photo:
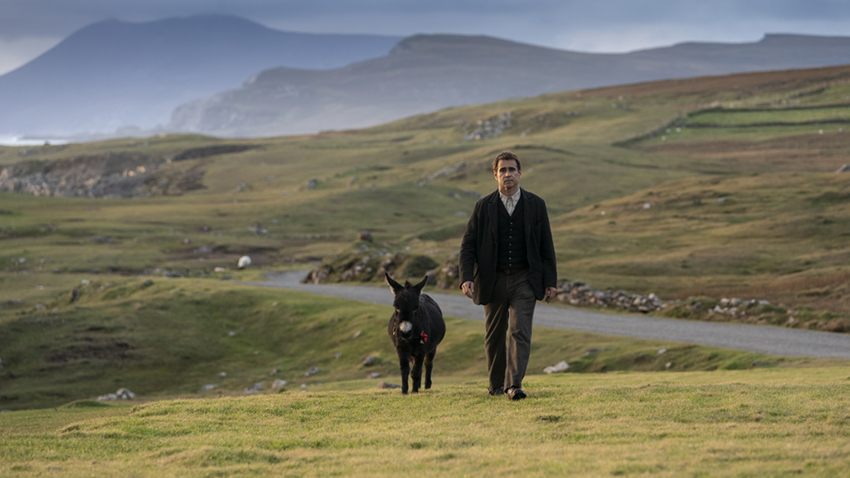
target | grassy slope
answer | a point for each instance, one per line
(731, 423)
(173, 337)
(778, 235)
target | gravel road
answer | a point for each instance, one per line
(764, 339)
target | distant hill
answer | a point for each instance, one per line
(113, 74)
(428, 72)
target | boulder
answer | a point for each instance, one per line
(120, 394)
(558, 367)
(256, 388)
(125, 394)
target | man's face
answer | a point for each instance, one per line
(507, 174)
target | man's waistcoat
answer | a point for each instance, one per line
(511, 253)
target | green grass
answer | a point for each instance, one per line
(769, 225)
(776, 116)
(743, 135)
(171, 338)
(776, 422)
(742, 235)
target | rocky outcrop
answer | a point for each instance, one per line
(578, 293)
(109, 175)
(366, 262)
(121, 394)
(492, 127)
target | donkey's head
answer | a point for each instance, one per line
(406, 303)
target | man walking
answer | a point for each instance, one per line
(507, 262)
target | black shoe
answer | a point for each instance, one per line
(516, 394)
(496, 391)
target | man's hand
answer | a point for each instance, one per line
(468, 288)
(549, 294)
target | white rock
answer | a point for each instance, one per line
(244, 262)
(209, 386)
(279, 383)
(661, 351)
(122, 393)
(125, 393)
(558, 367)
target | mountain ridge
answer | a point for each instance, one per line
(425, 73)
(113, 74)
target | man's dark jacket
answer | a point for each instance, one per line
(479, 248)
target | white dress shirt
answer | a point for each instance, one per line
(510, 201)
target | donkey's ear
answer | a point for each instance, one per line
(394, 286)
(421, 284)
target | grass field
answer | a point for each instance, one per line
(726, 423)
(753, 212)
(777, 116)
(638, 201)
(171, 338)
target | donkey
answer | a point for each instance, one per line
(416, 328)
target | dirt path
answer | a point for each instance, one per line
(764, 339)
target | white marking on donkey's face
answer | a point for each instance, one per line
(406, 326)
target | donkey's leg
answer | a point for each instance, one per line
(404, 364)
(429, 364)
(417, 372)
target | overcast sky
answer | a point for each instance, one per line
(30, 27)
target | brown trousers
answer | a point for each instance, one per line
(510, 311)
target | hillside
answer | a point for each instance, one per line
(115, 74)
(738, 173)
(424, 73)
(724, 424)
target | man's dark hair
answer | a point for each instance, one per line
(506, 155)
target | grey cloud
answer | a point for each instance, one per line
(534, 21)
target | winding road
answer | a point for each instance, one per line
(754, 338)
